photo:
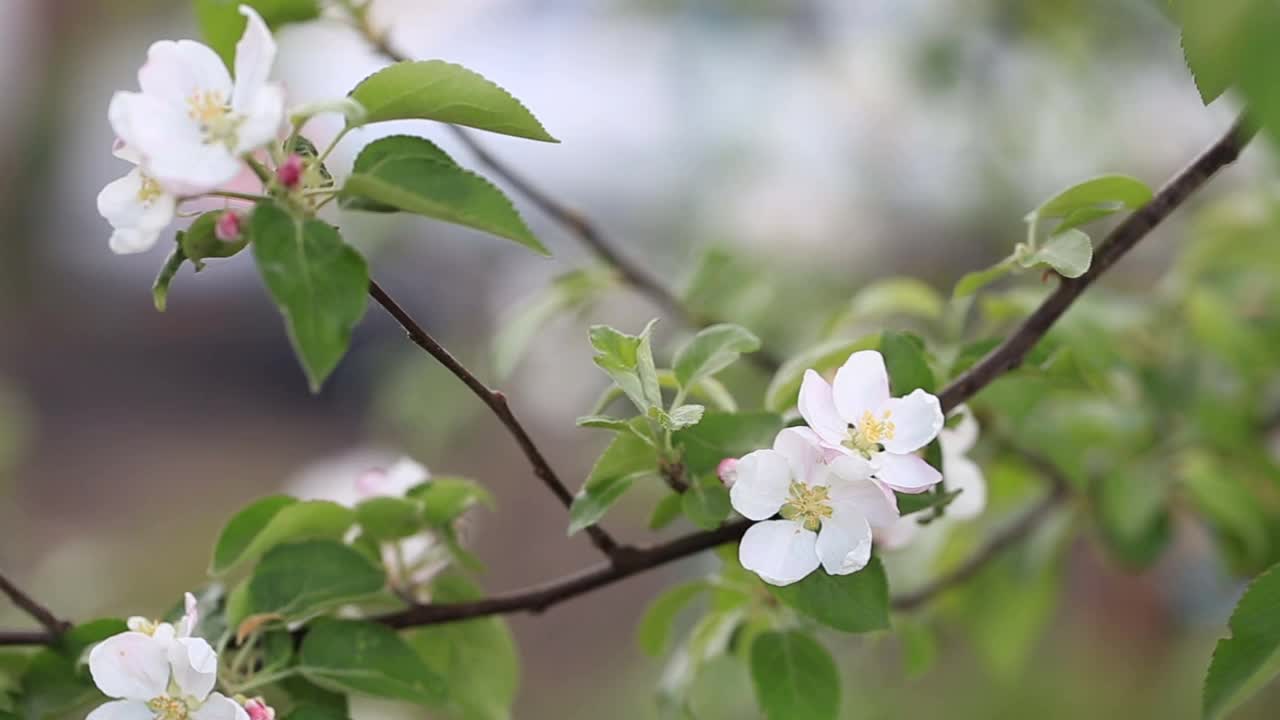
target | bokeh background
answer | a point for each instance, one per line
(829, 141)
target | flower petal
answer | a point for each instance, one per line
(764, 479)
(131, 665)
(899, 535)
(177, 71)
(121, 710)
(255, 54)
(863, 498)
(779, 551)
(219, 707)
(171, 145)
(862, 385)
(851, 467)
(195, 666)
(404, 475)
(191, 616)
(906, 473)
(916, 418)
(961, 438)
(818, 409)
(800, 447)
(844, 543)
(263, 117)
(964, 475)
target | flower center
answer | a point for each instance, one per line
(169, 708)
(866, 437)
(149, 191)
(210, 110)
(807, 505)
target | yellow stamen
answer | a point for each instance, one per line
(870, 432)
(808, 505)
(207, 107)
(168, 708)
(149, 191)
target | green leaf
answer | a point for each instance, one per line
(200, 241)
(440, 190)
(477, 659)
(655, 627)
(713, 349)
(722, 435)
(706, 502)
(273, 520)
(395, 147)
(368, 658)
(1106, 192)
(54, 685)
(1132, 512)
(905, 359)
(784, 388)
(972, 282)
(627, 458)
(568, 292)
(890, 297)
(666, 511)
(794, 677)
(604, 422)
(221, 23)
(296, 580)
(628, 360)
(160, 287)
(318, 281)
(444, 498)
(1250, 657)
(314, 711)
(389, 518)
(441, 91)
(855, 603)
(681, 417)
(1068, 252)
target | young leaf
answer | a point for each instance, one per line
(628, 360)
(164, 278)
(666, 511)
(972, 282)
(437, 90)
(854, 603)
(794, 677)
(273, 520)
(443, 191)
(297, 580)
(221, 23)
(1250, 657)
(444, 498)
(604, 422)
(681, 417)
(627, 458)
(1108, 192)
(389, 518)
(318, 281)
(655, 626)
(1068, 252)
(712, 350)
(723, 435)
(365, 657)
(706, 502)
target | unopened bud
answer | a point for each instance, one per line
(258, 709)
(227, 229)
(290, 172)
(727, 471)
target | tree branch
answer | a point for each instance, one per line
(25, 637)
(27, 604)
(497, 402)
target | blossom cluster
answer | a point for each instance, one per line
(832, 481)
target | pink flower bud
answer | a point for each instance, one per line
(258, 709)
(290, 172)
(727, 471)
(227, 229)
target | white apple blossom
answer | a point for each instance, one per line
(156, 671)
(137, 207)
(191, 123)
(828, 509)
(856, 417)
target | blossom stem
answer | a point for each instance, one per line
(333, 144)
(233, 195)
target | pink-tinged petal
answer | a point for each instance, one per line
(861, 385)
(800, 446)
(263, 117)
(899, 535)
(906, 473)
(964, 475)
(779, 551)
(916, 419)
(863, 498)
(195, 666)
(131, 666)
(255, 54)
(176, 71)
(190, 617)
(122, 710)
(119, 116)
(121, 149)
(819, 410)
(844, 543)
(172, 146)
(762, 484)
(246, 182)
(960, 439)
(219, 707)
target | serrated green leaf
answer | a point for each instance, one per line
(318, 281)
(297, 580)
(442, 191)
(854, 603)
(794, 677)
(1069, 253)
(724, 435)
(1250, 657)
(444, 498)
(654, 631)
(367, 658)
(626, 459)
(221, 23)
(713, 349)
(628, 361)
(273, 520)
(681, 417)
(441, 91)
(389, 518)
(1102, 192)
(784, 388)
(373, 155)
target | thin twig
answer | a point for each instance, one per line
(27, 604)
(25, 637)
(497, 402)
